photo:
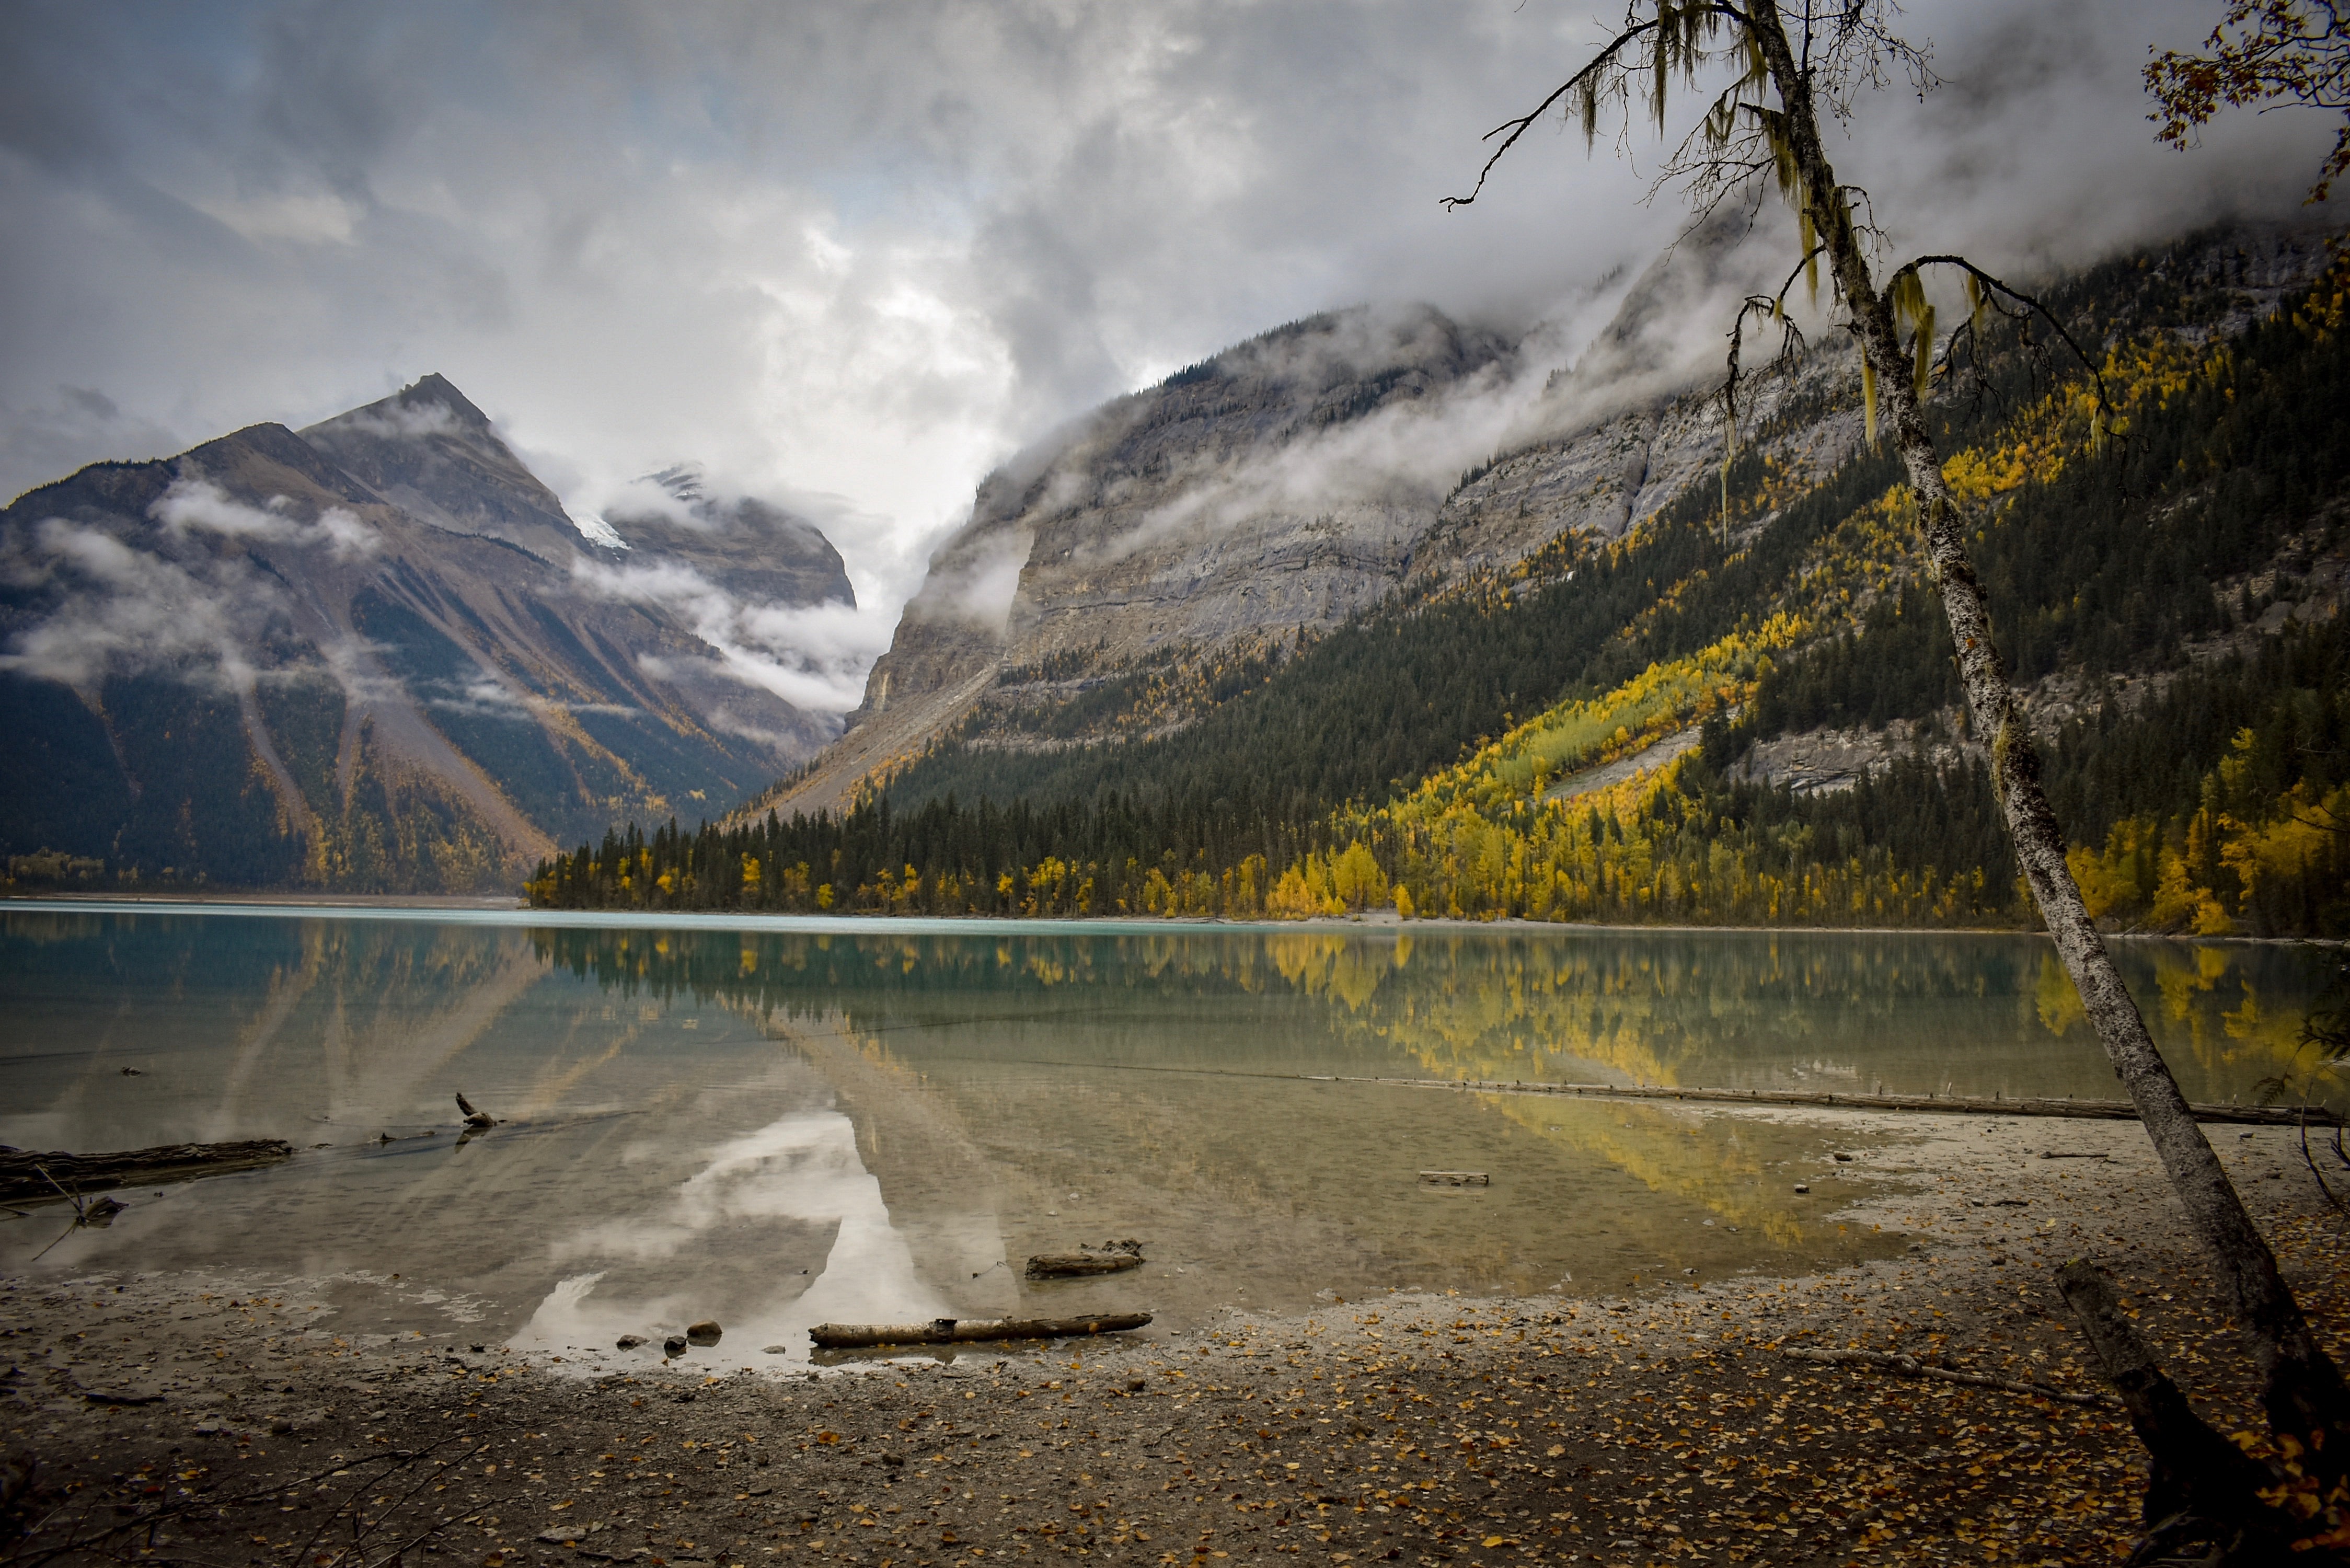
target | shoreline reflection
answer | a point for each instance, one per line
(774, 1128)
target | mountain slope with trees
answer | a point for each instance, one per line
(2164, 598)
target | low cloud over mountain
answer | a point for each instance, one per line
(379, 653)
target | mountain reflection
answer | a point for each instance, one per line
(769, 1127)
(1910, 1012)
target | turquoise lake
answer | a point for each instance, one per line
(784, 1122)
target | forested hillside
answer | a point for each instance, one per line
(1600, 732)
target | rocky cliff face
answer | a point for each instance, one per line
(1276, 489)
(1286, 483)
(1281, 485)
(375, 654)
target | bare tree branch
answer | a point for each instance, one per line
(1526, 122)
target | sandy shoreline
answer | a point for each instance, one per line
(223, 1420)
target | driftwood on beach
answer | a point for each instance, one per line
(970, 1331)
(26, 1176)
(1074, 1265)
(1970, 1104)
(1110, 1259)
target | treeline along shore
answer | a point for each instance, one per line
(2201, 813)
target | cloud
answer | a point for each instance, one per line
(108, 609)
(868, 250)
(404, 421)
(813, 657)
(199, 504)
(91, 605)
(648, 496)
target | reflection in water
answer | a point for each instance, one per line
(801, 1169)
(1916, 1012)
(1716, 1160)
(776, 1126)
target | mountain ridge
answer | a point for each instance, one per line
(374, 654)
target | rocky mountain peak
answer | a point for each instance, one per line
(432, 390)
(751, 547)
(428, 450)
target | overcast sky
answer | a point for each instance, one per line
(852, 255)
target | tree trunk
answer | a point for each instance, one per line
(2194, 1467)
(2304, 1392)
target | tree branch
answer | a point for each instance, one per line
(1995, 287)
(1524, 122)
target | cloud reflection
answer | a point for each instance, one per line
(803, 1169)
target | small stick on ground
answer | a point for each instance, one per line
(1113, 1258)
(1910, 1366)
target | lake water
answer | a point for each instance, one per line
(788, 1122)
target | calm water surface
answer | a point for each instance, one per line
(796, 1122)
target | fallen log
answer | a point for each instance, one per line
(29, 1177)
(1910, 1366)
(1964, 1105)
(971, 1330)
(1074, 1265)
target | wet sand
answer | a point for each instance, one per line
(223, 1421)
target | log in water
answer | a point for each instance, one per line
(970, 1331)
(27, 1177)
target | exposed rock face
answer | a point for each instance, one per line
(749, 547)
(376, 654)
(1281, 485)
(1241, 495)
(1828, 762)
(1289, 482)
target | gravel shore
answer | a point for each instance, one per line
(223, 1421)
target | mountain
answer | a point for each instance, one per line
(763, 554)
(1131, 572)
(1621, 670)
(1239, 502)
(376, 654)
